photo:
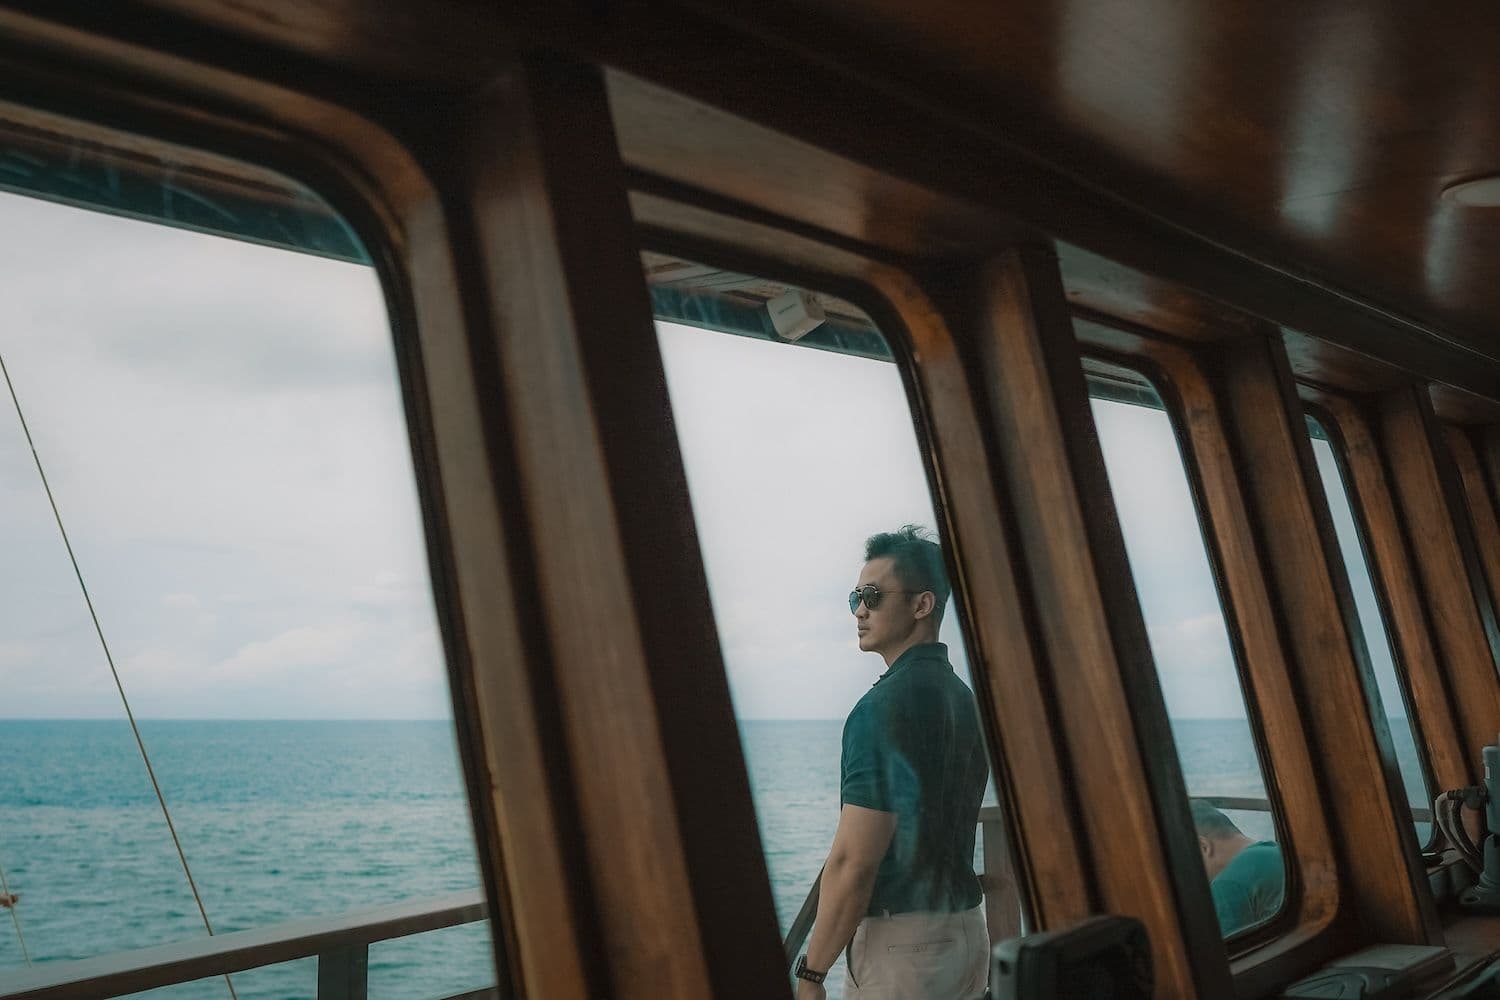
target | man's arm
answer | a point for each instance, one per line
(848, 880)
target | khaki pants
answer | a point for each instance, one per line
(920, 956)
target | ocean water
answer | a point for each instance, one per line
(282, 820)
(279, 820)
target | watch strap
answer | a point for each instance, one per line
(803, 972)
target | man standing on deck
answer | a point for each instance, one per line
(899, 887)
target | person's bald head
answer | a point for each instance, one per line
(1219, 840)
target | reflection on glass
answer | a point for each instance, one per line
(845, 658)
(1372, 623)
(1190, 644)
(223, 431)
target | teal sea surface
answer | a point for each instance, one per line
(279, 820)
(285, 820)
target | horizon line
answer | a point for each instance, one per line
(449, 718)
(220, 718)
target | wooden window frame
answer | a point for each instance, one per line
(1046, 740)
(375, 183)
(572, 895)
(586, 894)
(1191, 413)
(1206, 383)
(1476, 480)
(1429, 499)
(1014, 702)
(1383, 538)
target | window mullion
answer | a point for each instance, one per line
(1383, 884)
(1132, 797)
(627, 630)
(1429, 496)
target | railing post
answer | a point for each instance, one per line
(1002, 894)
(343, 973)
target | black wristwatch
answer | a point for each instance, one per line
(803, 972)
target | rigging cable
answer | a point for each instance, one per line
(109, 658)
(14, 917)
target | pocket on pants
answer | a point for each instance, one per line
(940, 946)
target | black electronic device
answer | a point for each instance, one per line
(1484, 895)
(1104, 958)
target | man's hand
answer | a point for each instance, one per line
(809, 990)
(8, 901)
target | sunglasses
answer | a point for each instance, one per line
(872, 595)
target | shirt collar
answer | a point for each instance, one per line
(921, 651)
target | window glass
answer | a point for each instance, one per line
(1393, 696)
(1190, 643)
(796, 456)
(222, 430)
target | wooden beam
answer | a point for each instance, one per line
(1110, 713)
(624, 624)
(1478, 498)
(1393, 571)
(1430, 495)
(1383, 890)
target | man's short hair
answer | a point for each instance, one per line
(1212, 823)
(918, 562)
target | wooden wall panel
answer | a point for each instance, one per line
(1478, 501)
(1110, 711)
(1430, 495)
(1382, 879)
(1393, 570)
(625, 627)
(520, 790)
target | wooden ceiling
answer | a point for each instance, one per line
(1320, 133)
(1310, 139)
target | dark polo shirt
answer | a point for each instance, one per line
(912, 746)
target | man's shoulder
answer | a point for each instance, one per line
(871, 704)
(1264, 854)
(1257, 863)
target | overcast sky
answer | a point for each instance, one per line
(222, 427)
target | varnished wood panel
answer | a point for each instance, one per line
(1400, 590)
(1320, 134)
(931, 155)
(1455, 406)
(526, 829)
(1302, 942)
(673, 856)
(512, 749)
(1381, 876)
(1109, 704)
(1430, 497)
(1479, 504)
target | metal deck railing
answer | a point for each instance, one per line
(340, 943)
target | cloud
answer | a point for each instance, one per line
(295, 650)
(223, 430)
(14, 651)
